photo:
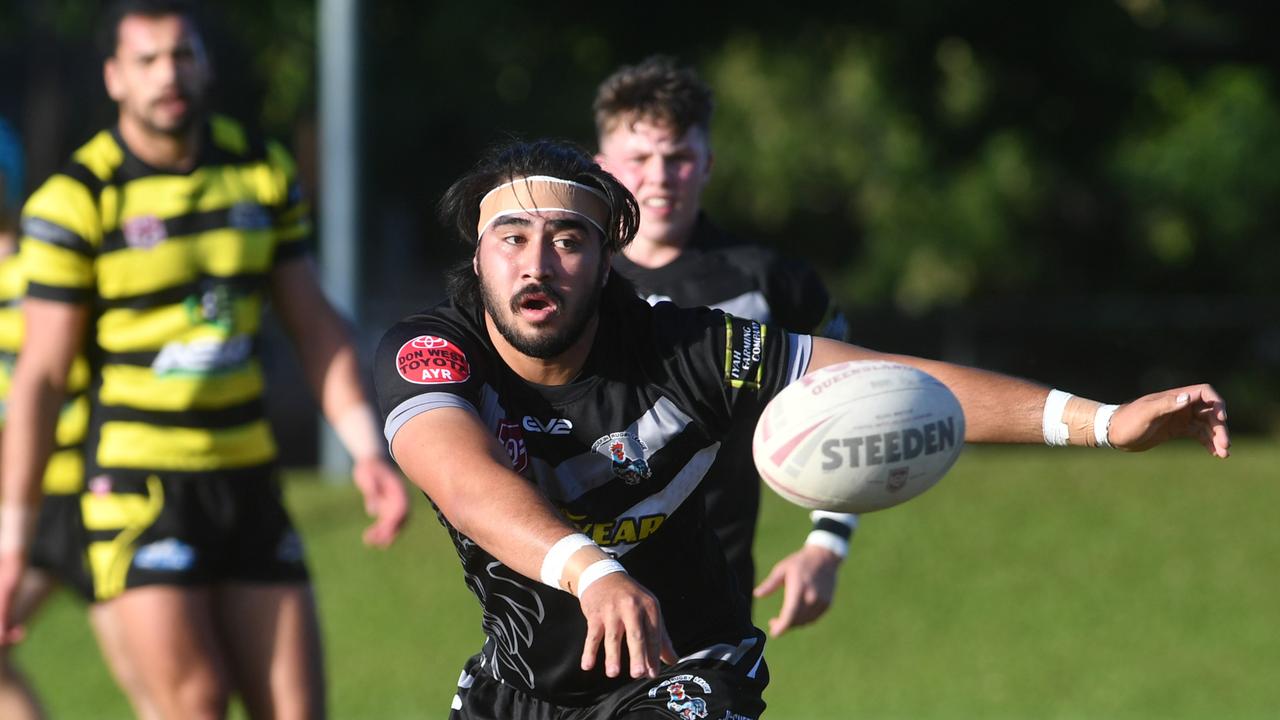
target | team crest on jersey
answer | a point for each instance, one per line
(680, 699)
(626, 452)
(431, 360)
(512, 438)
(144, 232)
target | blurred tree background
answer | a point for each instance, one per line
(1081, 191)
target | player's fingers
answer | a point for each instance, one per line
(591, 648)
(787, 614)
(612, 649)
(642, 652)
(668, 654)
(771, 583)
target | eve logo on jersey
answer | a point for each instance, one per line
(202, 356)
(554, 426)
(431, 360)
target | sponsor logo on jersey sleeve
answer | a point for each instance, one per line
(743, 352)
(512, 438)
(626, 454)
(432, 360)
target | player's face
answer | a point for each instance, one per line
(666, 173)
(541, 274)
(158, 74)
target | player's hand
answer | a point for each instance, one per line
(385, 500)
(12, 567)
(1195, 411)
(808, 579)
(618, 609)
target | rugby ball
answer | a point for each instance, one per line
(858, 436)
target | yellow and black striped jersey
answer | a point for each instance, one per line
(175, 268)
(64, 473)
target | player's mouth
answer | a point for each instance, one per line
(659, 205)
(537, 304)
(173, 104)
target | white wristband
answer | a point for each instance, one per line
(828, 540)
(559, 554)
(597, 570)
(1102, 424)
(358, 431)
(15, 526)
(1055, 431)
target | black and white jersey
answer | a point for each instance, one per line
(622, 451)
(746, 281)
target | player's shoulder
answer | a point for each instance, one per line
(444, 321)
(84, 175)
(236, 141)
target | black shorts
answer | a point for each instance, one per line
(689, 690)
(184, 531)
(58, 545)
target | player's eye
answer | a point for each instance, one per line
(566, 242)
(512, 239)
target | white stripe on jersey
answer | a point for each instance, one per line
(725, 652)
(583, 473)
(750, 305)
(672, 496)
(799, 352)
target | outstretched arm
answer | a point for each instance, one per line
(450, 455)
(333, 372)
(1004, 409)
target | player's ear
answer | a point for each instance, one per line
(602, 162)
(475, 260)
(111, 78)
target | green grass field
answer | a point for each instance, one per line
(1031, 583)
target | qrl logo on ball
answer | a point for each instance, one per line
(432, 360)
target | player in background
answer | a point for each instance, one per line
(653, 125)
(562, 427)
(154, 251)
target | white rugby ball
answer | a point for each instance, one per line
(858, 436)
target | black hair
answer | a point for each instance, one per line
(460, 206)
(116, 12)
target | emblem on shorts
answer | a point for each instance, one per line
(626, 453)
(144, 232)
(431, 360)
(168, 555)
(679, 701)
(512, 438)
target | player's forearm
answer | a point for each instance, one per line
(34, 401)
(468, 476)
(997, 408)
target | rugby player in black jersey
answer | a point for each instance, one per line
(155, 249)
(562, 427)
(653, 124)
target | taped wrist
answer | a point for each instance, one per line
(1071, 420)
